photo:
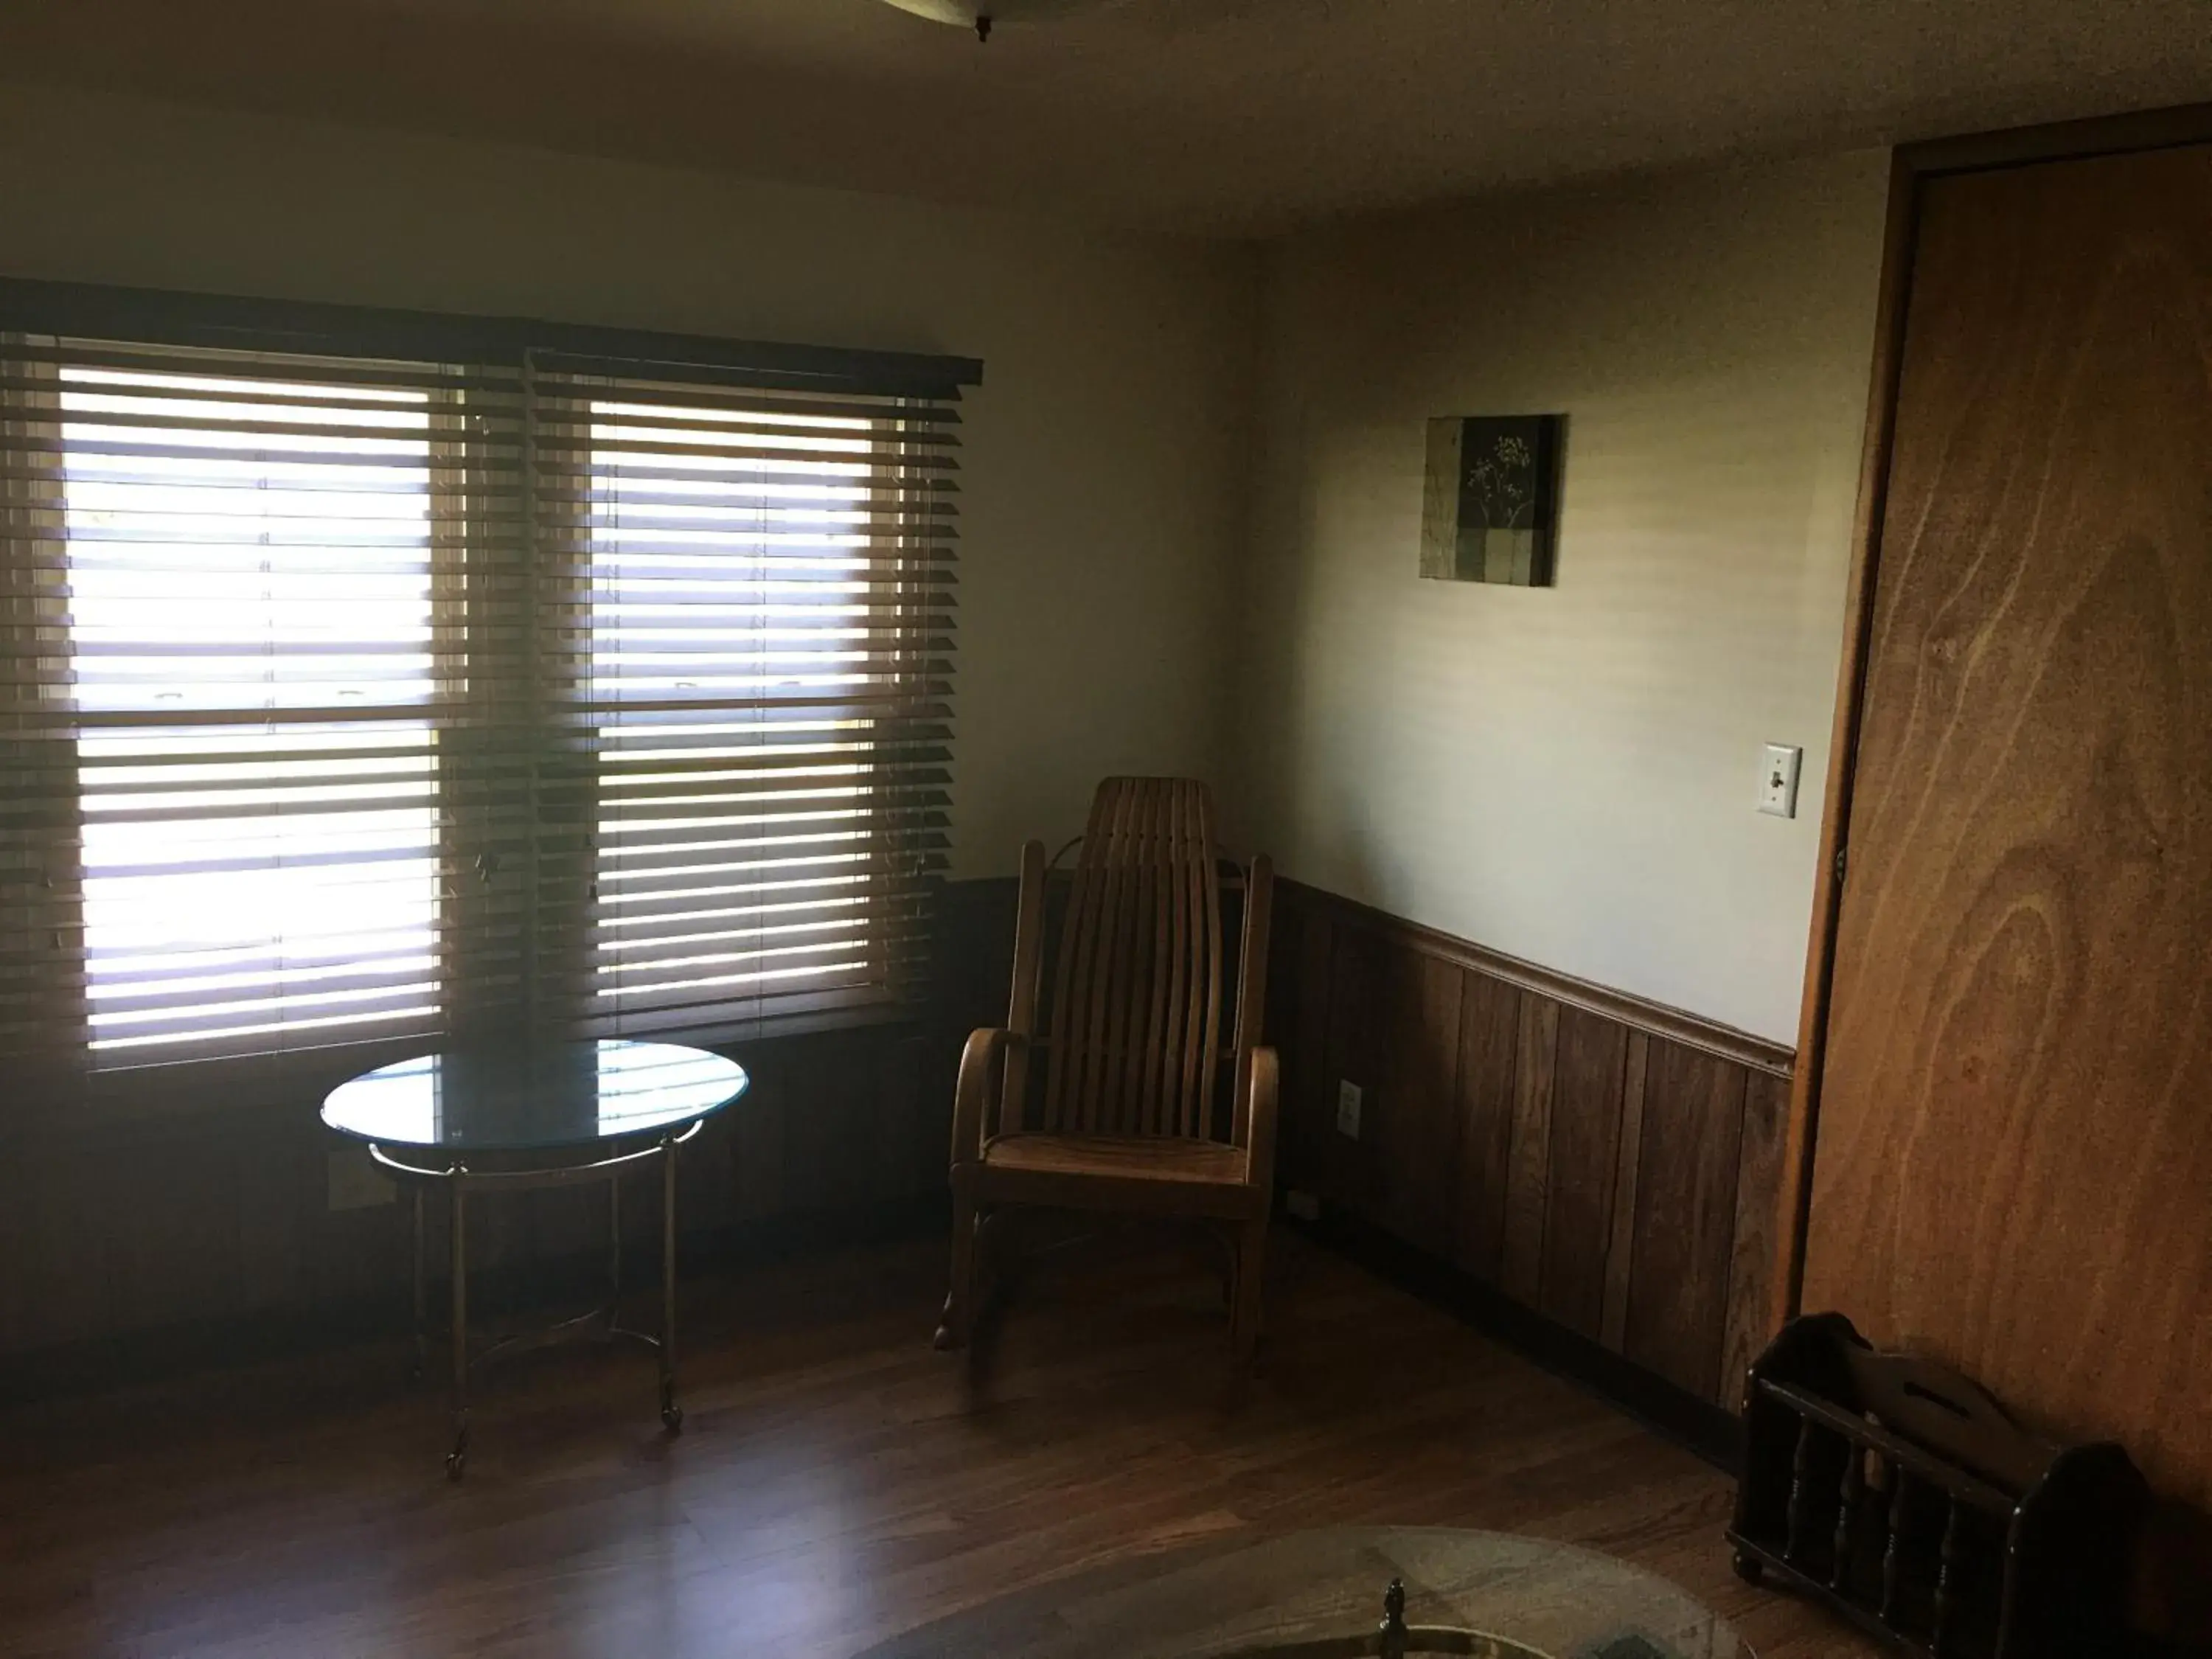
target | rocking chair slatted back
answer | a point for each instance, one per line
(1135, 1038)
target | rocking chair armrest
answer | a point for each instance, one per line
(1264, 1087)
(973, 1119)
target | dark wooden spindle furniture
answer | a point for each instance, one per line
(1896, 1491)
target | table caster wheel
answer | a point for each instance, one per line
(1749, 1567)
(671, 1419)
(457, 1464)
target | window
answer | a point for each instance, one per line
(738, 646)
(249, 624)
(354, 693)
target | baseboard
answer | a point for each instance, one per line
(1698, 1425)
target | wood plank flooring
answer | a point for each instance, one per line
(837, 1483)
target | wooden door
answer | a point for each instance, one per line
(2014, 1166)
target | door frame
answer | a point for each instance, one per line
(1912, 168)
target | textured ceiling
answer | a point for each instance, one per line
(1220, 116)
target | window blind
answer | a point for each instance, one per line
(357, 697)
(768, 657)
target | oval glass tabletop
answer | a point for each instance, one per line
(518, 1097)
(1321, 1595)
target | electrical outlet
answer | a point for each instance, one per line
(1303, 1206)
(1347, 1108)
(1777, 780)
(355, 1182)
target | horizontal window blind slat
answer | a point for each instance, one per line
(336, 395)
(927, 700)
(655, 747)
(821, 850)
(247, 368)
(555, 388)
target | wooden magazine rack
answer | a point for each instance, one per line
(1897, 1492)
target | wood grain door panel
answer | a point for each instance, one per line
(2015, 1157)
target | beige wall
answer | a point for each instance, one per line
(1568, 774)
(1105, 452)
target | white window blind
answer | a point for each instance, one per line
(759, 648)
(249, 652)
(355, 697)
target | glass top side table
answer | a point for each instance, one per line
(514, 1116)
(1337, 1592)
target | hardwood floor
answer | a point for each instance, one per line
(837, 1481)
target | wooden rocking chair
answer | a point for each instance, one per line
(1116, 1105)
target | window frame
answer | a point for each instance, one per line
(476, 873)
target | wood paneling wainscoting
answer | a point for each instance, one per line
(1607, 1163)
(130, 1250)
(146, 1246)
(143, 1247)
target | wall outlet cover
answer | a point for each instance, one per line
(1303, 1206)
(1347, 1108)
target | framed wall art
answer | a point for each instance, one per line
(1493, 504)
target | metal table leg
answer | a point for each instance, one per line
(605, 1322)
(422, 1292)
(614, 1251)
(671, 1414)
(457, 1459)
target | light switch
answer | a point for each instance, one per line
(1347, 1108)
(1777, 780)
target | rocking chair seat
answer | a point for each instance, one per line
(1135, 1175)
(1138, 1175)
(1132, 1157)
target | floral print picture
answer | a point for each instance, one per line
(1492, 511)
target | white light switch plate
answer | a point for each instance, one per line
(1347, 1108)
(1777, 780)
